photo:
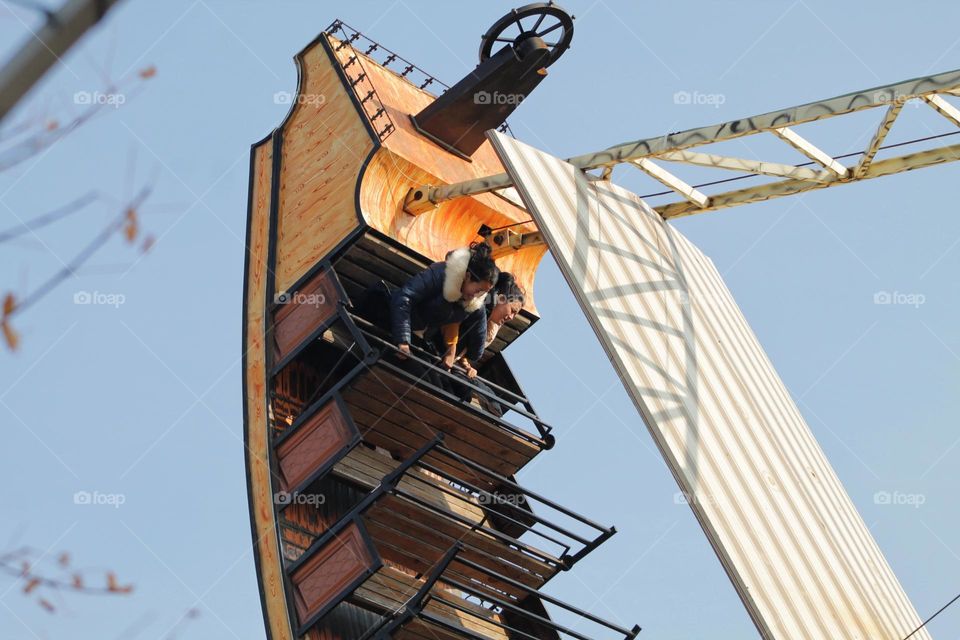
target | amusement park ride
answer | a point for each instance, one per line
(382, 505)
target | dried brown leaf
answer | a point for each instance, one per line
(131, 227)
(11, 337)
(9, 304)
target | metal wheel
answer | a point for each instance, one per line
(544, 20)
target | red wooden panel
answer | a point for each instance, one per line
(302, 311)
(314, 443)
(325, 577)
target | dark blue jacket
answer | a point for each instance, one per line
(420, 305)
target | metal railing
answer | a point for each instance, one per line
(481, 585)
(389, 60)
(501, 612)
(510, 503)
(493, 393)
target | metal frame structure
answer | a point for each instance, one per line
(391, 485)
(822, 171)
(350, 37)
(788, 535)
(287, 349)
(365, 339)
(373, 346)
(415, 608)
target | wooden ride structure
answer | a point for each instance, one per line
(383, 506)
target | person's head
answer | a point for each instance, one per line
(482, 272)
(507, 299)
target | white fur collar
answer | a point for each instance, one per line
(455, 272)
(475, 304)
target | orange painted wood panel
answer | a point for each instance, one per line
(266, 545)
(330, 570)
(408, 159)
(302, 311)
(325, 144)
(315, 442)
(454, 224)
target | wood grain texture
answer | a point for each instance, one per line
(408, 159)
(314, 444)
(266, 545)
(329, 571)
(302, 312)
(389, 589)
(325, 144)
(453, 224)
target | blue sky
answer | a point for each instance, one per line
(141, 399)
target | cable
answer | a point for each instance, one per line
(957, 597)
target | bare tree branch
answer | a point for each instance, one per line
(127, 222)
(14, 151)
(46, 46)
(50, 217)
(20, 564)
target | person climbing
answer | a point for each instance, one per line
(502, 304)
(451, 291)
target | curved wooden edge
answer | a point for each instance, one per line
(327, 142)
(405, 159)
(266, 552)
(384, 185)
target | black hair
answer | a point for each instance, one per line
(482, 268)
(506, 290)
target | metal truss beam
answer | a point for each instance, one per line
(675, 147)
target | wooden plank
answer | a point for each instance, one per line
(425, 423)
(399, 441)
(375, 254)
(367, 468)
(487, 444)
(411, 550)
(389, 589)
(400, 514)
(363, 278)
(478, 430)
(403, 261)
(325, 144)
(256, 426)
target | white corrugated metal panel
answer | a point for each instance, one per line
(782, 524)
